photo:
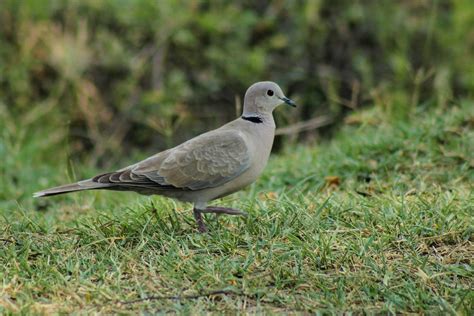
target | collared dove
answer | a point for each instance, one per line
(207, 167)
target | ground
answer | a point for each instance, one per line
(379, 219)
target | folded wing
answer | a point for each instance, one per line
(206, 161)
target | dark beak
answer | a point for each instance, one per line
(288, 101)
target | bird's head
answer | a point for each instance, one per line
(263, 97)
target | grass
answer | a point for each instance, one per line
(378, 220)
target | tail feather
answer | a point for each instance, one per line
(73, 187)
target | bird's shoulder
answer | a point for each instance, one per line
(225, 137)
(221, 151)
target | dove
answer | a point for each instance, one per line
(207, 167)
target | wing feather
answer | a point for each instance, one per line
(206, 161)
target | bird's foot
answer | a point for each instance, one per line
(216, 210)
(223, 210)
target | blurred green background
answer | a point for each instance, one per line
(372, 212)
(103, 82)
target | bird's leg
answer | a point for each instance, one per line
(198, 216)
(223, 210)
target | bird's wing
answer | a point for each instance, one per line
(126, 177)
(206, 161)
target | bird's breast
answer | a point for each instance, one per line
(260, 143)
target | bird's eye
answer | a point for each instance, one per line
(270, 93)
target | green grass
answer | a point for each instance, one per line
(378, 220)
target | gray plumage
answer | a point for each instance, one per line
(209, 166)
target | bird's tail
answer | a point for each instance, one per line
(73, 187)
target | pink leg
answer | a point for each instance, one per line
(198, 216)
(223, 210)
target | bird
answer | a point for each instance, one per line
(207, 167)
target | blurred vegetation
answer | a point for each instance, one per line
(377, 220)
(102, 77)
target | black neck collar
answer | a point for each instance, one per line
(253, 119)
